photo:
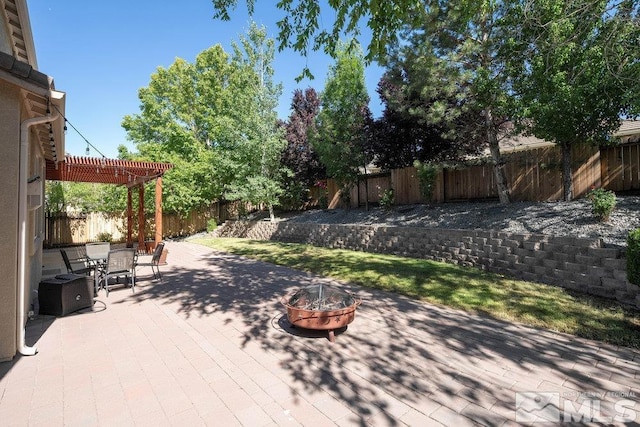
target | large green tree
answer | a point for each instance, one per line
(453, 70)
(341, 129)
(576, 66)
(189, 116)
(215, 120)
(258, 171)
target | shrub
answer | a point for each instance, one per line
(104, 237)
(633, 256)
(387, 199)
(212, 224)
(323, 201)
(345, 196)
(603, 202)
(427, 174)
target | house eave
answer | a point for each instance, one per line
(17, 17)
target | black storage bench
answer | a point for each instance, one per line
(65, 294)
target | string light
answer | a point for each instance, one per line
(130, 175)
(78, 132)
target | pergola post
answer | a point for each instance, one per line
(158, 194)
(141, 245)
(129, 219)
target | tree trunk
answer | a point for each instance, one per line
(366, 190)
(498, 165)
(567, 173)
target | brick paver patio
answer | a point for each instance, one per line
(211, 345)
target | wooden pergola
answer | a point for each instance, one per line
(132, 174)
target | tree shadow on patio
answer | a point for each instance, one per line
(399, 357)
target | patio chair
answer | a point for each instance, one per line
(82, 270)
(120, 264)
(154, 262)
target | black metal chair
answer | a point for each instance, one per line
(120, 264)
(154, 262)
(82, 270)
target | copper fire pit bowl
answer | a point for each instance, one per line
(321, 307)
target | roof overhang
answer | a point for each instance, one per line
(40, 99)
(16, 15)
(105, 171)
(37, 89)
(629, 131)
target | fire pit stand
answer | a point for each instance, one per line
(321, 307)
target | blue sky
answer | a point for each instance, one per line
(101, 52)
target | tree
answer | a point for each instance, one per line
(460, 42)
(403, 135)
(257, 154)
(191, 115)
(576, 71)
(454, 66)
(299, 156)
(54, 200)
(84, 197)
(343, 119)
(302, 28)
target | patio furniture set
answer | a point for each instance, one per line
(77, 288)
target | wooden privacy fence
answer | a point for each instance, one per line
(621, 167)
(534, 175)
(70, 229)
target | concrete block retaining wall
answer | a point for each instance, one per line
(578, 264)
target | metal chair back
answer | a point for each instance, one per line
(99, 250)
(120, 260)
(157, 253)
(120, 263)
(70, 269)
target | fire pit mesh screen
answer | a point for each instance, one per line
(321, 298)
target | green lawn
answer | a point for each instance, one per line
(469, 289)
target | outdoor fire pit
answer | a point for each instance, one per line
(321, 307)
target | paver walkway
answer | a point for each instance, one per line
(211, 345)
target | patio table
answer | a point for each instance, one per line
(97, 254)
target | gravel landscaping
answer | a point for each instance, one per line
(554, 218)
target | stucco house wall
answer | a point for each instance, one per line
(9, 155)
(25, 94)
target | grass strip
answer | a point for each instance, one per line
(465, 288)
